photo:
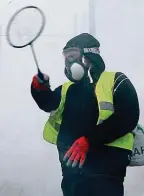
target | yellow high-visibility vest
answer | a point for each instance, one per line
(104, 94)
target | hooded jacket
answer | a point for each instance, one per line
(81, 114)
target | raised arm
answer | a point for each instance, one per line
(46, 99)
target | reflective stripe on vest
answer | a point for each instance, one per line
(106, 106)
(104, 94)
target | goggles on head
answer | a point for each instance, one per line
(75, 54)
(72, 54)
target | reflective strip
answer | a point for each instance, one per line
(57, 127)
(118, 78)
(53, 112)
(100, 122)
(106, 106)
(119, 85)
(94, 50)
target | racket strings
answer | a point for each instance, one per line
(25, 26)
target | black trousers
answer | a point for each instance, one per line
(102, 174)
(98, 186)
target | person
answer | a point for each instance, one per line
(92, 117)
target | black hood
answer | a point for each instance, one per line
(82, 41)
(86, 40)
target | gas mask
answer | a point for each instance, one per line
(76, 66)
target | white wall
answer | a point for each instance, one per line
(24, 156)
(120, 30)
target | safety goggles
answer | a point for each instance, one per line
(72, 54)
(75, 54)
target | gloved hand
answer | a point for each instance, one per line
(77, 153)
(41, 82)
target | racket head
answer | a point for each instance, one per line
(13, 19)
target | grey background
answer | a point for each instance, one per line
(28, 165)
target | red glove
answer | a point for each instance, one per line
(39, 84)
(77, 153)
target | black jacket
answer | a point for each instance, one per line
(81, 111)
(79, 119)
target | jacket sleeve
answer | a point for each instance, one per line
(125, 117)
(47, 100)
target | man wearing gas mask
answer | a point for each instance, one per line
(92, 117)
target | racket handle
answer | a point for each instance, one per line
(40, 75)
